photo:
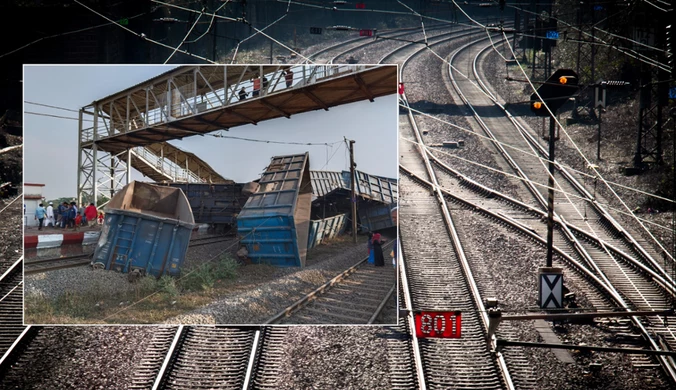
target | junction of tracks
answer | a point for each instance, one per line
(473, 234)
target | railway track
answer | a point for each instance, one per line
(197, 358)
(56, 263)
(439, 276)
(262, 353)
(631, 283)
(355, 296)
(11, 315)
(51, 264)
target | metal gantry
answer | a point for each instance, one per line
(131, 128)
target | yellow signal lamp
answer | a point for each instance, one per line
(537, 105)
(563, 79)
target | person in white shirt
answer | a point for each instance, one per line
(50, 216)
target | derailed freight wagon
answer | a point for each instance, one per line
(327, 228)
(217, 205)
(274, 222)
(146, 231)
(376, 196)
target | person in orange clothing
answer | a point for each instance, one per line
(256, 86)
(90, 214)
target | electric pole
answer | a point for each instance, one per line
(353, 196)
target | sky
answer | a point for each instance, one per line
(51, 143)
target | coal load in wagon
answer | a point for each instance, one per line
(274, 222)
(146, 231)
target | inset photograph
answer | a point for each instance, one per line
(238, 194)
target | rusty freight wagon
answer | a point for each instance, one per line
(146, 231)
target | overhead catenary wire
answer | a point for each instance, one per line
(144, 37)
(525, 180)
(258, 31)
(64, 34)
(50, 106)
(210, 23)
(628, 52)
(589, 164)
(186, 36)
(528, 153)
(55, 116)
(666, 253)
(371, 10)
(577, 148)
(276, 142)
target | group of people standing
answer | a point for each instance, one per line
(256, 81)
(67, 215)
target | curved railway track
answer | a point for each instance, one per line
(630, 283)
(433, 276)
(438, 276)
(355, 296)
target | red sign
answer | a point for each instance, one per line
(361, 5)
(365, 33)
(401, 88)
(443, 324)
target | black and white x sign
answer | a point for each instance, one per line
(551, 291)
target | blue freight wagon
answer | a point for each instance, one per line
(146, 231)
(322, 229)
(375, 216)
(274, 222)
(217, 205)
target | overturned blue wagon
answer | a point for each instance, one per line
(274, 222)
(146, 231)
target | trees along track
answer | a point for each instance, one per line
(626, 272)
(355, 296)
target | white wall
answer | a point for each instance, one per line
(29, 217)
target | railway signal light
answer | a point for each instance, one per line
(365, 33)
(361, 6)
(560, 86)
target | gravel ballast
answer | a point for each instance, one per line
(80, 358)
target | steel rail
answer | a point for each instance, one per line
(408, 305)
(11, 354)
(435, 28)
(603, 213)
(173, 349)
(297, 305)
(406, 31)
(455, 238)
(251, 366)
(516, 204)
(666, 363)
(500, 360)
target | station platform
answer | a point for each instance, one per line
(50, 237)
